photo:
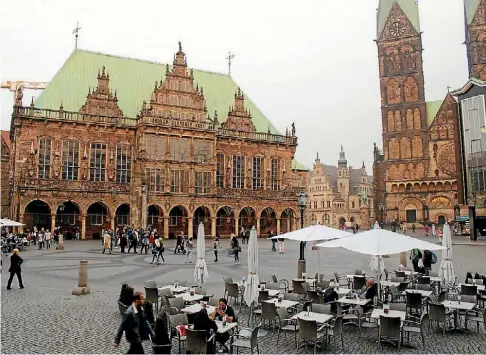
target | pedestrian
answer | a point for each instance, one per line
(155, 251)
(189, 247)
(132, 242)
(179, 243)
(123, 243)
(404, 228)
(281, 246)
(273, 241)
(415, 256)
(242, 234)
(426, 230)
(413, 228)
(235, 245)
(160, 249)
(145, 241)
(40, 238)
(215, 247)
(106, 242)
(427, 261)
(48, 237)
(15, 262)
(433, 230)
(135, 325)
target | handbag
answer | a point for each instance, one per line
(239, 248)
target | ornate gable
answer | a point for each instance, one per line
(176, 97)
(101, 101)
(442, 127)
(397, 25)
(239, 119)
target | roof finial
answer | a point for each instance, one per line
(448, 88)
(61, 107)
(89, 90)
(103, 71)
(180, 46)
(156, 84)
(342, 150)
(239, 91)
(167, 68)
(317, 158)
(115, 94)
(363, 166)
(216, 117)
(32, 102)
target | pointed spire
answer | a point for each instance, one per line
(192, 73)
(216, 117)
(115, 95)
(268, 130)
(317, 157)
(408, 7)
(202, 90)
(167, 68)
(363, 166)
(89, 90)
(32, 102)
(197, 88)
(103, 70)
(180, 46)
(61, 107)
(155, 86)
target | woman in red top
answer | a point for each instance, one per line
(151, 238)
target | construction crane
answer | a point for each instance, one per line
(13, 86)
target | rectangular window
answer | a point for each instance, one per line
(275, 174)
(257, 173)
(220, 170)
(44, 158)
(70, 160)
(123, 164)
(95, 219)
(238, 171)
(202, 151)
(155, 146)
(328, 204)
(202, 182)
(179, 181)
(352, 204)
(155, 179)
(97, 165)
(179, 149)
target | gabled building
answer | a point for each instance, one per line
(415, 173)
(5, 188)
(339, 195)
(114, 142)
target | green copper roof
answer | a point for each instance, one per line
(133, 80)
(470, 8)
(409, 8)
(432, 108)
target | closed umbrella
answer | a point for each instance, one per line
(446, 270)
(253, 281)
(201, 274)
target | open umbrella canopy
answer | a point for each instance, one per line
(446, 270)
(201, 274)
(5, 222)
(380, 242)
(252, 282)
(314, 233)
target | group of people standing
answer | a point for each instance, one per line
(422, 263)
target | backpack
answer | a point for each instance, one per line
(434, 258)
(416, 255)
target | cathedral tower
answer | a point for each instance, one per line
(475, 21)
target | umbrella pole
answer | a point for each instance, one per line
(379, 279)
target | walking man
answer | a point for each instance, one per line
(48, 239)
(135, 325)
(15, 262)
(216, 246)
(273, 241)
(106, 242)
(189, 246)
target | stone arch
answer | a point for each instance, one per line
(97, 219)
(398, 120)
(268, 221)
(401, 188)
(447, 186)
(391, 60)
(441, 219)
(416, 119)
(405, 150)
(407, 58)
(416, 187)
(440, 202)
(37, 213)
(410, 210)
(439, 186)
(394, 149)
(247, 217)
(454, 186)
(68, 217)
(342, 222)
(225, 221)
(409, 119)
(122, 215)
(178, 218)
(390, 121)
(202, 214)
(431, 186)
(287, 220)
(417, 150)
(424, 187)
(408, 187)
(394, 188)
(393, 92)
(155, 217)
(411, 89)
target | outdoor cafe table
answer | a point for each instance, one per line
(422, 292)
(178, 289)
(480, 287)
(190, 298)
(389, 283)
(283, 303)
(351, 277)
(195, 308)
(226, 328)
(272, 293)
(353, 301)
(456, 307)
(377, 312)
(310, 281)
(342, 291)
(320, 318)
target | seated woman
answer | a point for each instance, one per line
(203, 322)
(369, 293)
(330, 295)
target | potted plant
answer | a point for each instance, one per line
(161, 344)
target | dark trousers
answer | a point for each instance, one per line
(273, 245)
(415, 265)
(134, 246)
(215, 255)
(122, 249)
(142, 248)
(135, 348)
(19, 277)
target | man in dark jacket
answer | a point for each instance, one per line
(15, 262)
(135, 325)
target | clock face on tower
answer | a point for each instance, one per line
(397, 29)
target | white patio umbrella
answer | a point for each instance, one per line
(446, 270)
(5, 222)
(380, 242)
(201, 274)
(377, 265)
(253, 280)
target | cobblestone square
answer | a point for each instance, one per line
(45, 318)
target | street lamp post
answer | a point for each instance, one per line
(381, 207)
(302, 201)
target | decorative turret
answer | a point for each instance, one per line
(342, 162)
(239, 119)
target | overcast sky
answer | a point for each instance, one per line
(312, 62)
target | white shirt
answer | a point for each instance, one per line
(48, 235)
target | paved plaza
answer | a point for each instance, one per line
(45, 318)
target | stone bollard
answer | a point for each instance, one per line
(82, 288)
(61, 243)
